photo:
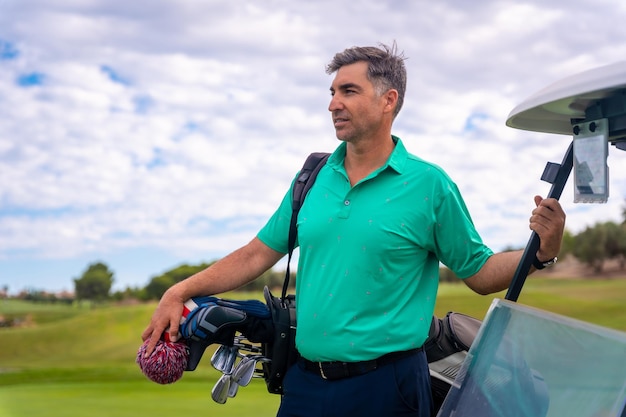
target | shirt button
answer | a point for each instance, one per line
(347, 202)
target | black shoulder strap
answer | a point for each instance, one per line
(301, 187)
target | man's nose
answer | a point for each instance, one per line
(334, 104)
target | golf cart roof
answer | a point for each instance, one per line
(552, 109)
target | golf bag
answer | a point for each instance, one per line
(446, 347)
(212, 320)
(281, 350)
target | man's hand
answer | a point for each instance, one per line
(548, 221)
(165, 318)
(233, 271)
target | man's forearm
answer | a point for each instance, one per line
(231, 272)
(496, 274)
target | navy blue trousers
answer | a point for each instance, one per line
(401, 388)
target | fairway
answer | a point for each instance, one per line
(80, 361)
(132, 399)
(597, 301)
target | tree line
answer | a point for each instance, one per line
(96, 282)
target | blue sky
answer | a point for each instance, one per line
(148, 134)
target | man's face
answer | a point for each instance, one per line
(356, 109)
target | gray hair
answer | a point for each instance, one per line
(385, 68)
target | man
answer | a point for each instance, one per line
(371, 232)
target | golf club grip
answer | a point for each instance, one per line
(558, 184)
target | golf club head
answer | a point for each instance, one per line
(220, 390)
(218, 360)
(243, 373)
(230, 358)
(232, 390)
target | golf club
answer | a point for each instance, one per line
(235, 374)
(245, 371)
(230, 359)
(242, 375)
(220, 391)
(232, 390)
(218, 359)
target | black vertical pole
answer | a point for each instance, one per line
(557, 177)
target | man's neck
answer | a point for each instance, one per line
(366, 156)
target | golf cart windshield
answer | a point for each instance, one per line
(531, 363)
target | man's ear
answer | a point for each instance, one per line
(391, 100)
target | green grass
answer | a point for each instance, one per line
(80, 361)
(599, 302)
(38, 312)
(132, 398)
(83, 364)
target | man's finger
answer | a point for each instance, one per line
(152, 334)
(146, 333)
(154, 338)
(173, 330)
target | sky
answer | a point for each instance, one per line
(150, 133)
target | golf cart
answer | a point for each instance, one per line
(528, 362)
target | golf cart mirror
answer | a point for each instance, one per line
(591, 173)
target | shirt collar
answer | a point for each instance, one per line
(396, 160)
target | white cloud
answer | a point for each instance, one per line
(179, 125)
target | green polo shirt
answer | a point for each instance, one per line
(368, 268)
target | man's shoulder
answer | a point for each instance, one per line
(417, 164)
